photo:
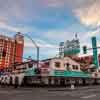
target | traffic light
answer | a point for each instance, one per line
(84, 49)
(4, 53)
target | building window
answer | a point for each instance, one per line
(67, 66)
(57, 64)
(75, 67)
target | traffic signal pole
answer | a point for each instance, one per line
(95, 54)
(94, 48)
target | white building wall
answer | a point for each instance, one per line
(63, 61)
(72, 62)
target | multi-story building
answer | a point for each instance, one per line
(11, 50)
(70, 47)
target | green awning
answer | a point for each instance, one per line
(71, 74)
(30, 72)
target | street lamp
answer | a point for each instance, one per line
(37, 47)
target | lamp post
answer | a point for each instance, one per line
(37, 47)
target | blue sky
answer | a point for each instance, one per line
(49, 22)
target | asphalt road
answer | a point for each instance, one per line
(81, 93)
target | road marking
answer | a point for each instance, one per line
(89, 96)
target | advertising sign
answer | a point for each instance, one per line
(72, 47)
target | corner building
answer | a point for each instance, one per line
(11, 50)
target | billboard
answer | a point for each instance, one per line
(72, 47)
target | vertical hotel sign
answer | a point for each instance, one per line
(95, 55)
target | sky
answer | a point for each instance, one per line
(49, 22)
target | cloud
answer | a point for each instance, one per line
(4, 24)
(43, 52)
(40, 43)
(89, 15)
(31, 10)
(8, 27)
(93, 33)
(46, 50)
(63, 35)
(59, 35)
(17, 8)
(54, 3)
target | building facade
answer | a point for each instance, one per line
(11, 50)
(85, 61)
